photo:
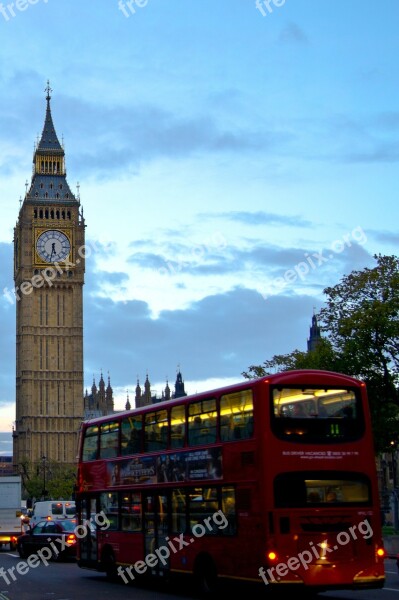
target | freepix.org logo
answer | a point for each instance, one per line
(312, 262)
(162, 553)
(265, 7)
(319, 551)
(49, 274)
(53, 549)
(8, 11)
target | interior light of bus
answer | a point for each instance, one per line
(238, 411)
(293, 398)
(177, 422)
(329, 392)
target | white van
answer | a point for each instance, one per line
(53, 509)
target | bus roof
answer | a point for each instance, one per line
(291, 377)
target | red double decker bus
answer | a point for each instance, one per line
(270, 480)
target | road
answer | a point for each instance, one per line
(66, 581)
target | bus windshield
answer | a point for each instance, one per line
(315, 414)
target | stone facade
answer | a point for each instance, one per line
(49, 271)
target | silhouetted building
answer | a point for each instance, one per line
(100, 402)
(145, 397)
(315, 335)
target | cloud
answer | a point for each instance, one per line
(292, 33)
(261, 217)
(386, 237)
(217, 336)
(112, 139)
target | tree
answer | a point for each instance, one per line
(323, 357)
(58, 479)
(360, 322)
(361, 318)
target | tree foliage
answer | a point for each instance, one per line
(58, 480)
(360, 323)
(322, 357)
(361, 318)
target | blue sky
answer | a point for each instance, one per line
(232, 164)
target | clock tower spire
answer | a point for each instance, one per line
(49, 277)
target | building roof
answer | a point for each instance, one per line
(49, 141)
(49, 184)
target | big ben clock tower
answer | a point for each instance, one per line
(49, 270)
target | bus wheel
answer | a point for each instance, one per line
(205, 576)
(110, 565)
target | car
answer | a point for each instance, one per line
(57, 535)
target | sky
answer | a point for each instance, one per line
(233, 160)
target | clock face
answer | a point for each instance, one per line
(53, 246)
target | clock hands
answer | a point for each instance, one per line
(53, 246)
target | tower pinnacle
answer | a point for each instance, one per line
(48, 90)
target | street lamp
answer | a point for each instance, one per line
(395, 484)
(44, 492)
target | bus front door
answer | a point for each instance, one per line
(155, 516)
(88, 542)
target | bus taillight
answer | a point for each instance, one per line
(271, 556)
(380, 552)
(71, 539)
